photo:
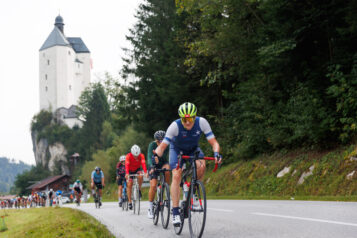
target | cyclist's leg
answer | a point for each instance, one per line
(140, 179)
(167, 173)
(129, 186)
(176, 180)
(152, 191)
(201, 166)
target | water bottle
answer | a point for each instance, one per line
(186, 186)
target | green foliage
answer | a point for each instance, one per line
(9, 169)
(41, 120)
(94, 109)
(108, 159)
(35, 174)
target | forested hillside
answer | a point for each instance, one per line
(9, 169)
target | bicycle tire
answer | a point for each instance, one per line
(134, 196)
(198, 213)
(165, 205)
(155, 211)
(138, 200)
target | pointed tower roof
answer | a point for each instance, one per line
(55, 38)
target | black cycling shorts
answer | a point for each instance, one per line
(121, 180)
(99, 185)
(77, 189)
(136, 171)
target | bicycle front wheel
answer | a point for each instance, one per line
(197, 209)
(165, 205)
(155, 211)
(134, 197)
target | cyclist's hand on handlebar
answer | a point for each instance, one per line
(151, 171)
(127, 176)
(218, 157)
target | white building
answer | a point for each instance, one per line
(65, 66)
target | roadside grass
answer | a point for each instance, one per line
(51, 222)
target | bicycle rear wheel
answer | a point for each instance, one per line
(165, 205)
(197, 209)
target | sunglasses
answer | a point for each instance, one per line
(188, 119)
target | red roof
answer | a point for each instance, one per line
(46, 182)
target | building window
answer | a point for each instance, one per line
(69, 52)
(46, 89)
(70, 87)
(46, 76)
(48, 62)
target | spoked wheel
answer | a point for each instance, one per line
(178, 229)
(134, 194)
(155, 211)
(197, 210)
(165, 205)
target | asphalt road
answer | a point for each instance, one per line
(239, 218)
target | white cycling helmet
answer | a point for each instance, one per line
(122, 158)
(135, 150)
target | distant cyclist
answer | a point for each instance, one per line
(156, 162)
(120, 171)
(51, 195)
(183, 135)
(133, 161)
(78, 190)
(97, 180)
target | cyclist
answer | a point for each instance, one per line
(156, 162)
(97, 179)
(51, 195)
(183, 136)
(78, 190)
(120, 177)
(133, 161)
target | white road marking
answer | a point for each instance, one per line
(306, 219)
(220, 210)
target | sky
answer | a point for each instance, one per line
(24, 27)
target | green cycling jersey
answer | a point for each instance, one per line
(163, 160)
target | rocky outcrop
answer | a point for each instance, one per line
(49, 156)
(40, 149)
(58, 158)
(306, 174)
(283, 172)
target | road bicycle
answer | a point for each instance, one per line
(97, 198)
(124, 197)
(135, 198)
(161, 203)
(194, 204)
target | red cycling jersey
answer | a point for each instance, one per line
(132, 163)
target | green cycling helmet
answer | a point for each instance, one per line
(187, 109)
(78, 181)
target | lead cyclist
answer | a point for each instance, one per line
(183, 135)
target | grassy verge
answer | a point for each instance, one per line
(51, 222)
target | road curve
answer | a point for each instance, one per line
(240, 218)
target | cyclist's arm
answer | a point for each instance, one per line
(143, 164)
(102, 178)
(171, 132)
(150, 154)
(92, 176)
(127, 164)
(214, 143)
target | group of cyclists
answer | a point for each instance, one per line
(181, 137)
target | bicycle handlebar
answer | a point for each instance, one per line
(193, 157)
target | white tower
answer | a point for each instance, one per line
(64, 69)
